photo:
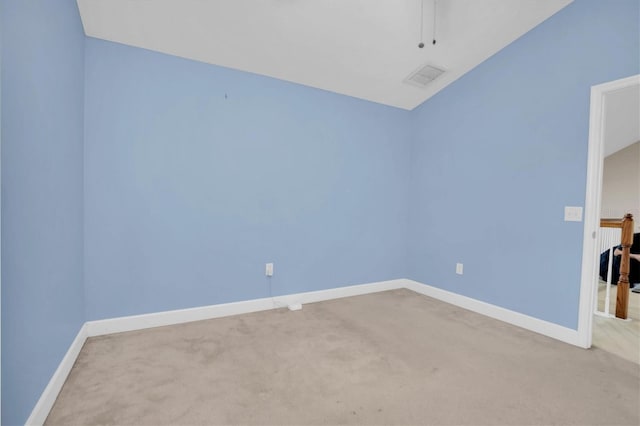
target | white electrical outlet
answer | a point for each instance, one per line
(459, 268)
(268, 270)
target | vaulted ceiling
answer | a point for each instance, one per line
(360, 48)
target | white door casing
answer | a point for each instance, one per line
(590, 255)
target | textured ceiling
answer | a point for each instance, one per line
(359, 48)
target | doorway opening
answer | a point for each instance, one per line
(601, 99)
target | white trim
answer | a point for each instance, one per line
(536, 325)
(338, 293)
(592, 204)
(158, 319)
(48, 398)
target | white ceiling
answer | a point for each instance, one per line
(359, 48)
(622, 119)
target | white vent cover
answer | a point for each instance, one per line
(423, 75)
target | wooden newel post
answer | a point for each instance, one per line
(622, 300)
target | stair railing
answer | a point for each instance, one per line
(626, 239)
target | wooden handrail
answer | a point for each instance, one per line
(612, 223)
(622, 298)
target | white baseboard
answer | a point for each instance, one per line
(158, 319)
(139, 322)
(337, 293)
(536, 325)
(48, 398)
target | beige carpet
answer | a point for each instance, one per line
(615, 335)
(387, 358)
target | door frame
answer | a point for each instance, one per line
(588, 283)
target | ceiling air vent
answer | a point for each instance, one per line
(423, 76)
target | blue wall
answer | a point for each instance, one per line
(196, 176)
(42, 195)
(499, 153)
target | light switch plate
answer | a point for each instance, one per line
(572, 214)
